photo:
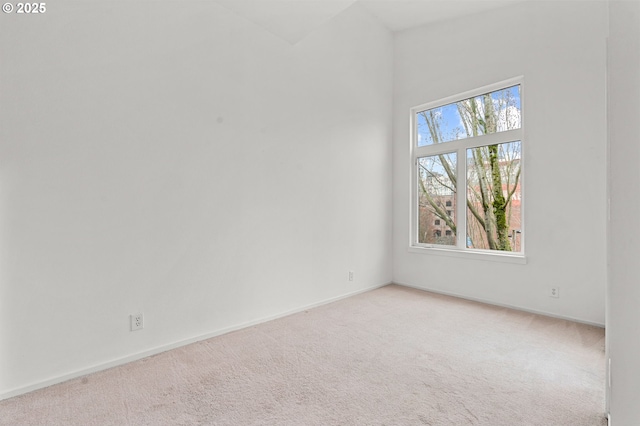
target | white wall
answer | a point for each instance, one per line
(179, 161)
(559, 48)
(623, 301)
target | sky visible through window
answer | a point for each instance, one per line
(451, 126)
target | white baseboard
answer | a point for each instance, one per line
(178, 344)
(503, 305)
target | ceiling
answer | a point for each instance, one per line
(293, 20)
(398, 15)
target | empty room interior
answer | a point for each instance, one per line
(320, 212)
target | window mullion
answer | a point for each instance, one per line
(490, 139)
(461, 198)
(416, 211)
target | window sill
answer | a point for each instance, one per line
(517, 258)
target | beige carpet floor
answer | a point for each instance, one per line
(392, 356)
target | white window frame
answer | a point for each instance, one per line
(460, 147)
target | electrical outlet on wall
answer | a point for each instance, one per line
(350, 275)
(137, 322)
(554, 292)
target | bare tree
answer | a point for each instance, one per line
(493, 171)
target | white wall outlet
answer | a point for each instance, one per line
(137, 322)
(350, 275)
(554, 292)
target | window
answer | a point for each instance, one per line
(466, 159)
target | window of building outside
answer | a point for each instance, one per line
(466, 159)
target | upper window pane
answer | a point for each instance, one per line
(492, 112)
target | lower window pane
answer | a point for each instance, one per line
(437, 199)
(493, 197)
